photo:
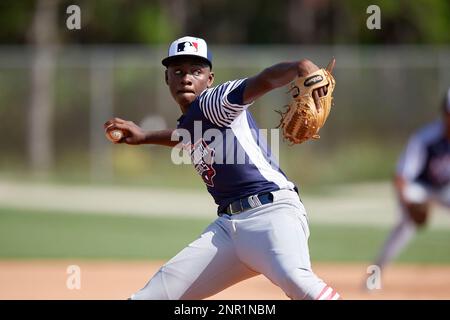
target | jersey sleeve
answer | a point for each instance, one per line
(413, 159)
(222, 104)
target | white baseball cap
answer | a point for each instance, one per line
(188, 46)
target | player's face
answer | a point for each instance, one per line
(187, 78)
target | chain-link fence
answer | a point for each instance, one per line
(382, 95)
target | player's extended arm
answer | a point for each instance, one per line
(135, 135)
(280, 75)
(160, 137)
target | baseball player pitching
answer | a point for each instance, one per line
(262, 225)
(422, 179)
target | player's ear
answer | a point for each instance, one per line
(210, 79)
(166, 77)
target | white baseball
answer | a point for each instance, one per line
(415, 193)
(115, 135)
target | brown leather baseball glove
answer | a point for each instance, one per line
(303, 119)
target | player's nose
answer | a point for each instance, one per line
(186, 79)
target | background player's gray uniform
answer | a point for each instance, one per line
(425, 167)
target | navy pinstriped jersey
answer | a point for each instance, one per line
(427, 157)
(226, 148)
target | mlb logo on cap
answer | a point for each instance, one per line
(188, 46)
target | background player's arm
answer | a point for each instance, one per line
(399, 184)
(280, 75)
(409, 166)
(135, 135)
(411, 194)
(415, 204)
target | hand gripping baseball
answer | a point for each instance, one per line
(121, 131)
(310, 105)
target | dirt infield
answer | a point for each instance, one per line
(37, 279)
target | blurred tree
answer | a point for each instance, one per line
(402, 22)
(249, 22)
(15, 18)
(126, 21)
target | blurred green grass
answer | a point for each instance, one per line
(26, 234)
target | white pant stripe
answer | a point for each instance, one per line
(326, 294)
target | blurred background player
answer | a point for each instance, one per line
(422, 179)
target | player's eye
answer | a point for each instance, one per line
(178, 72)
(197, 72)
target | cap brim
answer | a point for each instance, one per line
(169, 60)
